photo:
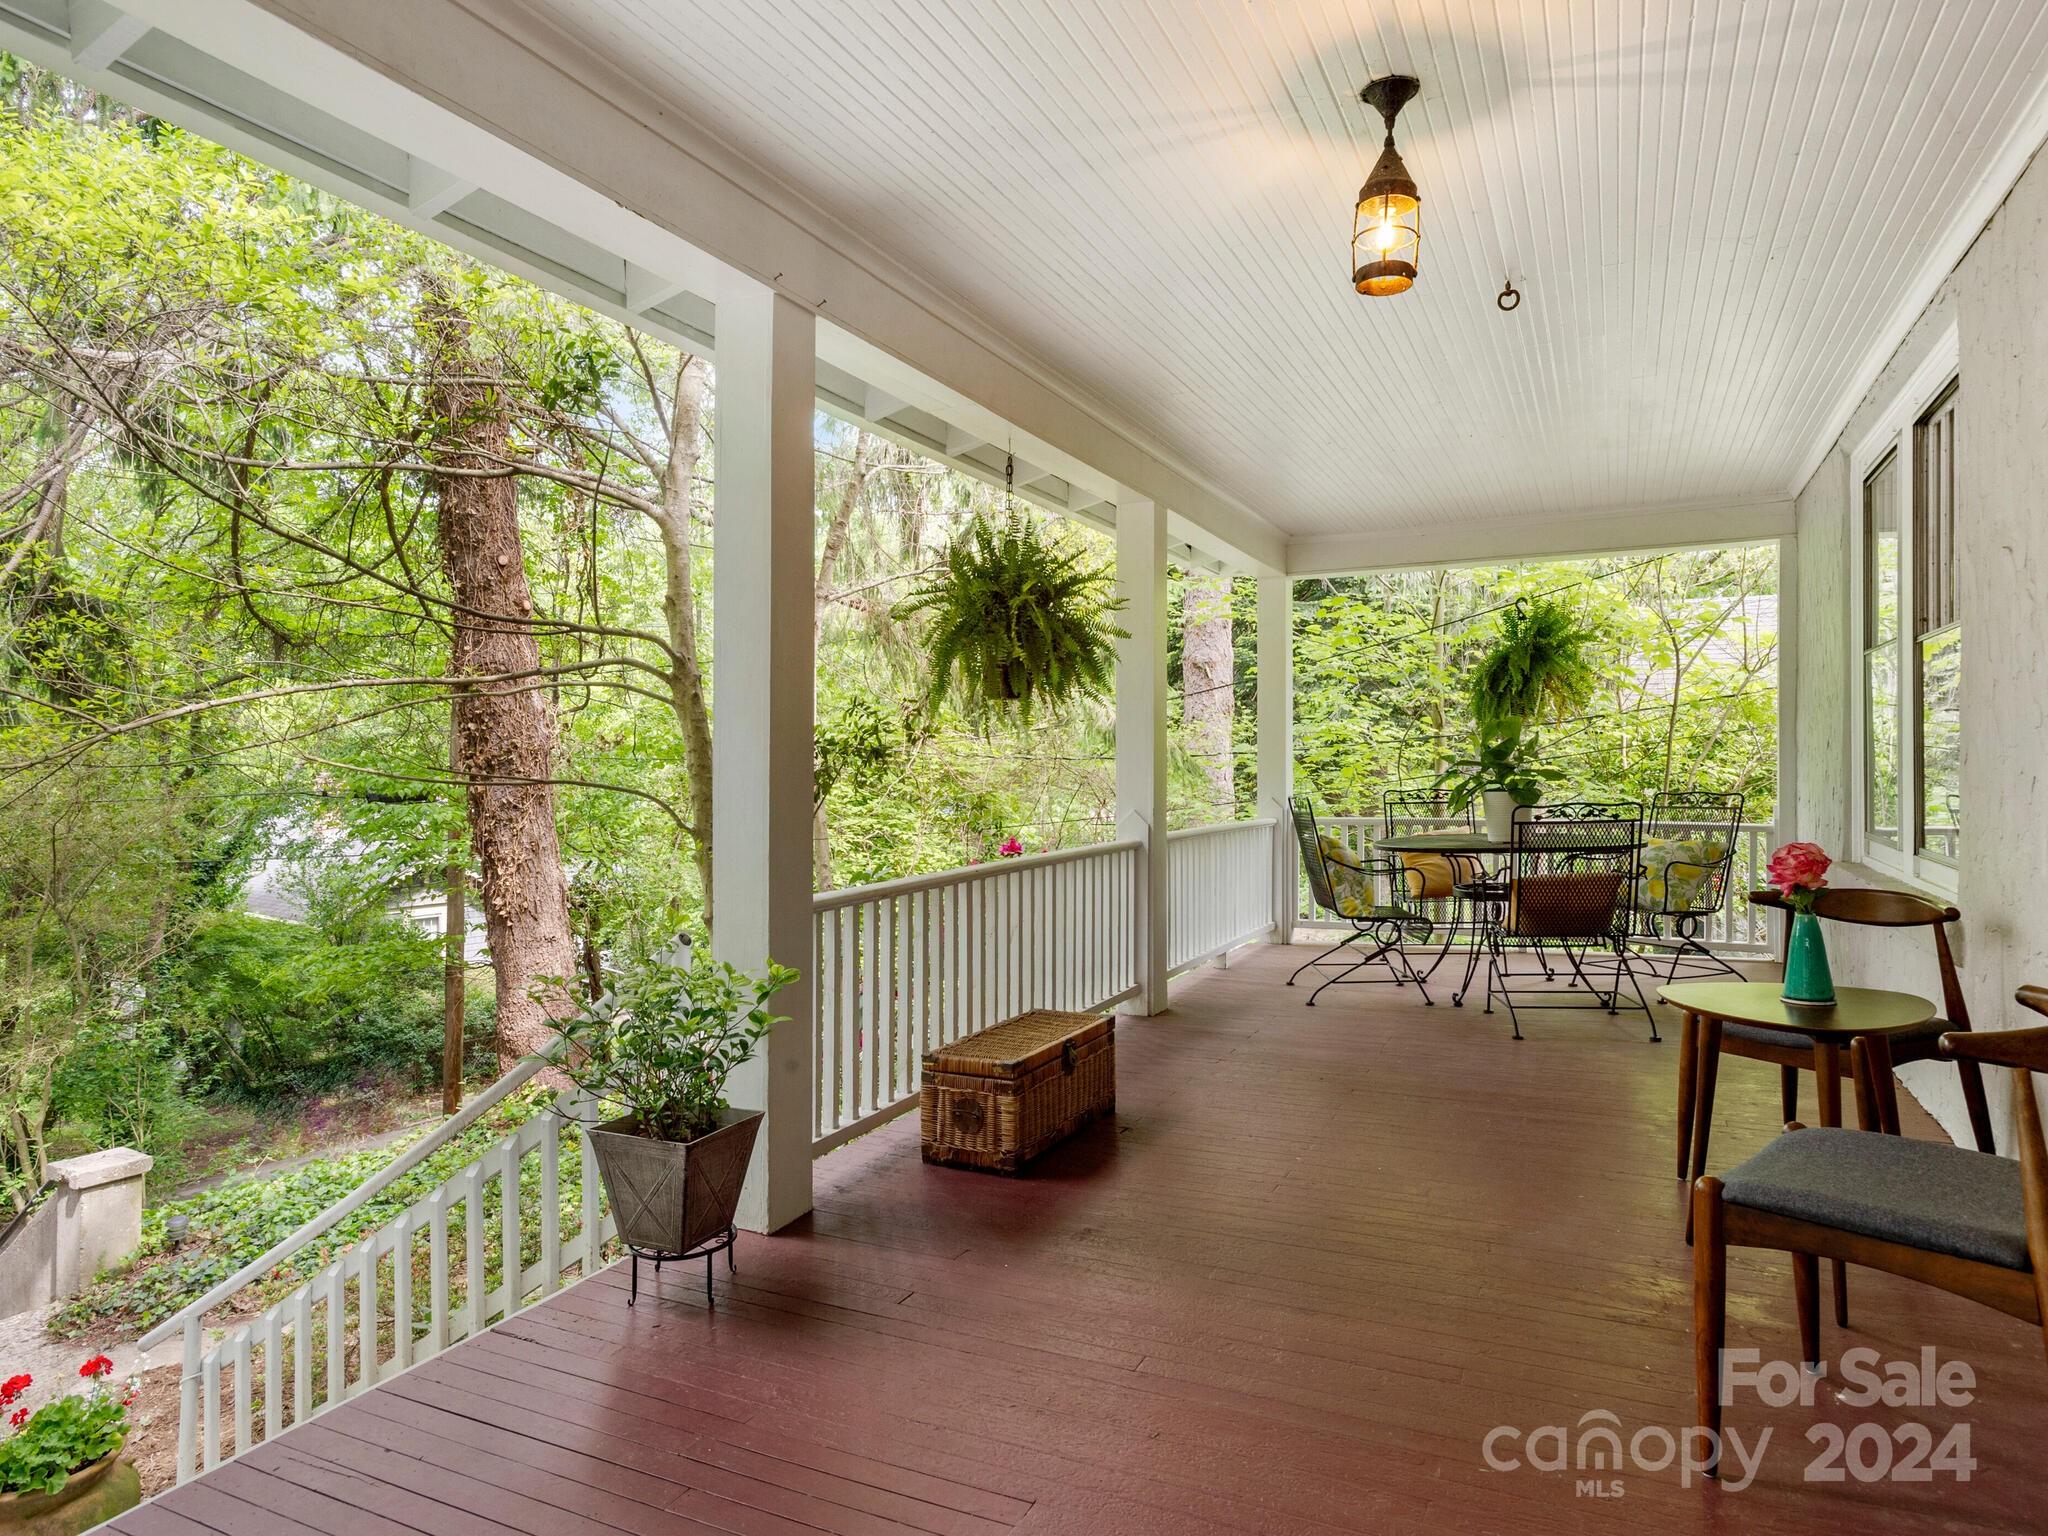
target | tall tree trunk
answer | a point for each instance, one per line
(1208, 682)
(679, 606)
(829, 556)
(505, 732)
(454, 945)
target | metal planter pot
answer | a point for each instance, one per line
(672, 1197)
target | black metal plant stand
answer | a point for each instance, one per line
(721, 1243)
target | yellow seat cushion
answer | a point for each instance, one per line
(1430, 876)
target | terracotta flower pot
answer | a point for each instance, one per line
(671, 1197)
(95, 1492)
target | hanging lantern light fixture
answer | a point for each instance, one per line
(1386, 231)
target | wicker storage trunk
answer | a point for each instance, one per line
(998, 1099)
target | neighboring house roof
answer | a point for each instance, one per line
(268, 893)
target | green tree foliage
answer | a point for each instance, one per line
(1683, 692)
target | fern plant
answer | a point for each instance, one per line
(1540, 660)
(1016, 621)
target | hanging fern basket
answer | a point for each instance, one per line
(1017, 621)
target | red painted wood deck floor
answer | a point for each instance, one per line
(1317, 1257)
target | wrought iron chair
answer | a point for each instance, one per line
(1972, 1223)
(1688, 854)
(1350, 888)
(1458, 881)
(1571, 877)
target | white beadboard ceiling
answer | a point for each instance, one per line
(1714, 209)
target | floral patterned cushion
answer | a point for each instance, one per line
(1678, 872)
(1351, 885)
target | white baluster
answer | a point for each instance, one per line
(476, 1221)
(401, 1290)
(210, 1389)
(366, 1313)
(508, 1221)
(437, 1272)
(302, 1353)
(550, 1205)
(847, 1020)
(243, 1392)
(336, 1278)
(593, 1209)
(188, 1402)
(273, 1373)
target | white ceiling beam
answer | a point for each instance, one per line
(498, 94)
(101, 33)
(1693, 525)
(647, 290)
(431, 191)
(960, 442)
(882, 405)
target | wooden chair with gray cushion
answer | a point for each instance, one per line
(1793, 1053)
(1971, 1223)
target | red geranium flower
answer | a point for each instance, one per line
(98, 1365)
(18, 1418)
(13, 1387)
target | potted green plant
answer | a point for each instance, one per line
(1019, 620)
(1540, 661)
(658, 1046)
(1501, 774)
(61, 1470)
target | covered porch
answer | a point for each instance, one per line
(1325, 1267)
(1316, 1261)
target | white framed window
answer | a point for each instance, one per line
(1906, 627)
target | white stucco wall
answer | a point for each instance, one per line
(1995, 298)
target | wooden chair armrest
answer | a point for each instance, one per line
(2026, 1049)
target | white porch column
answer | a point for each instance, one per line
(764, 676)
(1276, 737)
(1141, 727)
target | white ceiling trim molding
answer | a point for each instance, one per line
(1976, 210)
(1693, 525)
(499, 100)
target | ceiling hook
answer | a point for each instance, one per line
(1509, 298)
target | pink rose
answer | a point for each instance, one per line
(1798, 867)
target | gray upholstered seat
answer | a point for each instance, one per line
(1763, 1034)
(1923, 1193)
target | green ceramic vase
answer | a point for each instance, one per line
(1807, 978)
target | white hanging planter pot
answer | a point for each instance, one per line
(1500, 815)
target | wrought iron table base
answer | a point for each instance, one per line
(723, 1242)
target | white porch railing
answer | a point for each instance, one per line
(901, 967)
(301, 1355)
(1220, 889)
(1737, 927)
